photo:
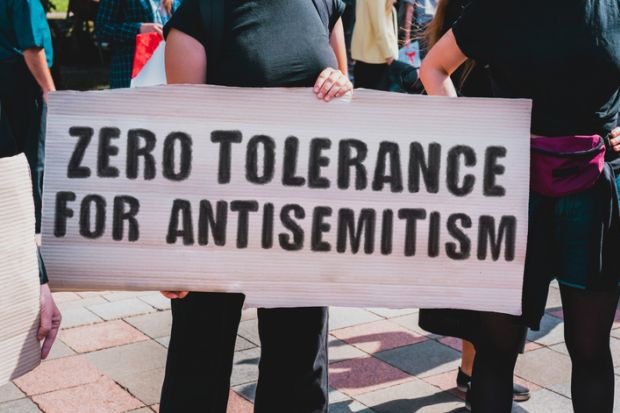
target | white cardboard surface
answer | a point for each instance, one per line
(19, 296)
(276, 277)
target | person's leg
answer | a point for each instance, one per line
(293, 365)
(588, 318)
(520, 393)
(497, 346)
(200, 354)
(467, 357)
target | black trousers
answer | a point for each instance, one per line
(22, 122)
(292, 368)
(371, 76)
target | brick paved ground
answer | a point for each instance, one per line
(111, 353)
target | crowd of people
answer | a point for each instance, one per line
(474, 48)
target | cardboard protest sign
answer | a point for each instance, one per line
(19, 272)
(291, 200)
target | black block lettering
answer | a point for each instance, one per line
(217, 223)
(75, 168)
(121, 215)
(346, 161)
(135, 151)
(107, 150)
(225, 138)
(185, 143)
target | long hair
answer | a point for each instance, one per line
(446, 13)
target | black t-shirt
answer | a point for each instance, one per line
(267, 43)
(563, 54)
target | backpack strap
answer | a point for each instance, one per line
(213, 15)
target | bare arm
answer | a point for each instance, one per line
(37, 64)
(186, 59)
(441, 61)
(336, 41)
(186, 63)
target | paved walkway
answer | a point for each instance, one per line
(111, 353)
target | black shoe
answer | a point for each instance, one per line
(468, 400)
(462, 381)
(519, 393)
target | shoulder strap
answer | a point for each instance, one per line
(213, 16)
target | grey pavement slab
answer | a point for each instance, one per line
(141, 410)
(423, 359)
(164, 341)
(410, 322)
(249, 314)
(544, 367)
(60, 350)
(243, 344)
(349, 406)
(412, 397)
(245, 367)
(336, 396)
(154, 325)
(133, 358)
(551, 331)
(248, 329)
(10, 392)
(339, 351)
(247, 390)
(19, 406)
(563, 389)
(156, 300)
(79, 316)
(545, 401)
(121, 309)
(84, 302)
(554, 300)
(144, 385)
(341, 317)
(391, 313)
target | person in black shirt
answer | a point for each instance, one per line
(566, 58)
(472, 80)
(276, 43)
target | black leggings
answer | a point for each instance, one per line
(497, 343)
(588, 318)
